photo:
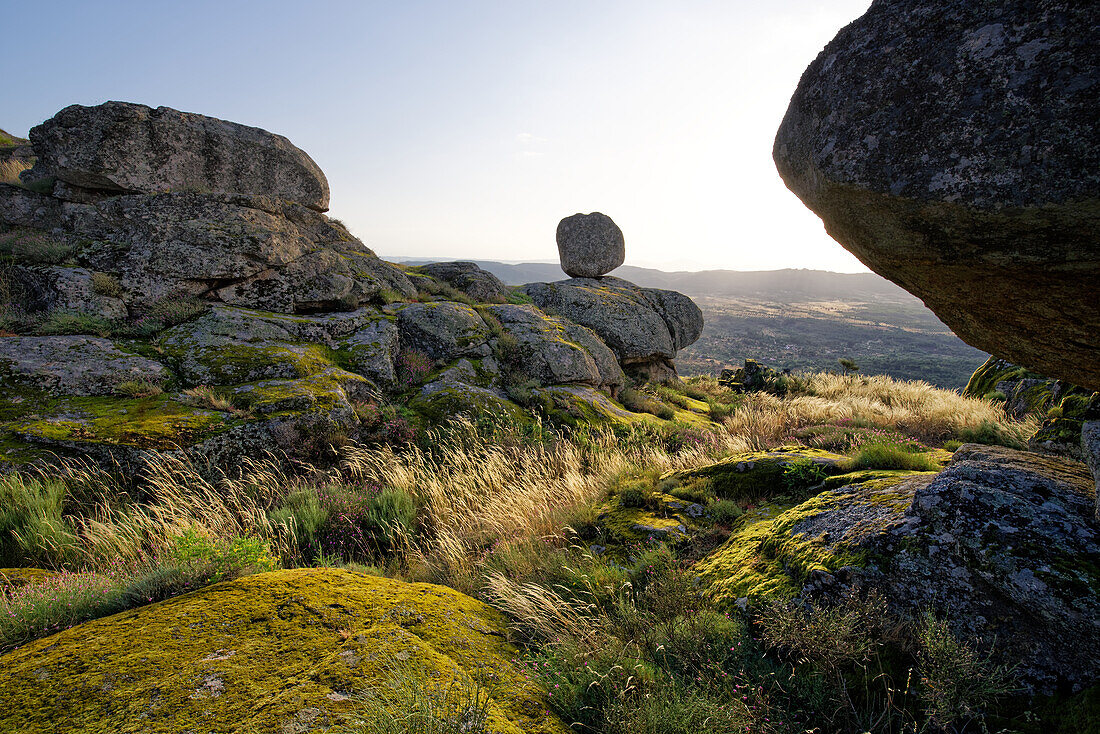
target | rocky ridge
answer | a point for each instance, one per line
(172, 283)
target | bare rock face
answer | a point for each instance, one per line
(953, 148)
(132, 148)
(590, 245)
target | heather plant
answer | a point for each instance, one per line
(382, 423)
(412, 367)
(190, 561)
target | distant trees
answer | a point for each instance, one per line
(848, 365)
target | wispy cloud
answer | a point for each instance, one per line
(529, 139)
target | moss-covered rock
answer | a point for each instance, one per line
(1002, 543)
(439, 400)
(554, 351)
(645, 327)
(229, 346)
(761, 474)
(79, 423)
(577, 405)
(775, 549)
(70, 365)
(281, 651)
(11, 578)
(443, 331)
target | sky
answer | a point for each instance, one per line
(466, 130)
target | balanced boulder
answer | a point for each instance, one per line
(953, 147)
(590, 245)
(131, 148)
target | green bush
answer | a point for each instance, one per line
(990, 433)
(632, 496)
(220, 559)
(33, 530)
(890, 456)
(724, 512)
(302, 512)
(73, 322)
(637, 401)
(803, 473)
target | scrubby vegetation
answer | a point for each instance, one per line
(613, 623)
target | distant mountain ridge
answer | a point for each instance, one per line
(806, 284)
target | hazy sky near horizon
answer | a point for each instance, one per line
(468, 129)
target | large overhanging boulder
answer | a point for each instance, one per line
(953, 148)
(133, 148)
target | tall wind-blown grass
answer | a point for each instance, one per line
(475, 493)
(913, 407)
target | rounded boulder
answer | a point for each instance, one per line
(590, 245)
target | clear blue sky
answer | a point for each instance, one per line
(468, 129)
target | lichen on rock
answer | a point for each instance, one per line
(267, 652)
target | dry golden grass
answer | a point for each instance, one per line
(10, 170)
(541, 612)
(475, 493)
(913, 407)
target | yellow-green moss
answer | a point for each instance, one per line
(741, 568)
(13, 577)
(579, 405)
(153, 422)
(282, 398)
(757, 474)
(280, 651)
(772, 551)
(448, 401)
(985, 378)
(234, 363)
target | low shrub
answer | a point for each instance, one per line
(637, 401)
(58, 602)
(890, 456)
(62, 322)
(992, 433)
(210, 560)
(412, 367)
(34, 246)
(957, 683)
(106, 285)
(724, 512)
(383, 423)
(802, 473)
(143, 388)
(33, 529)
